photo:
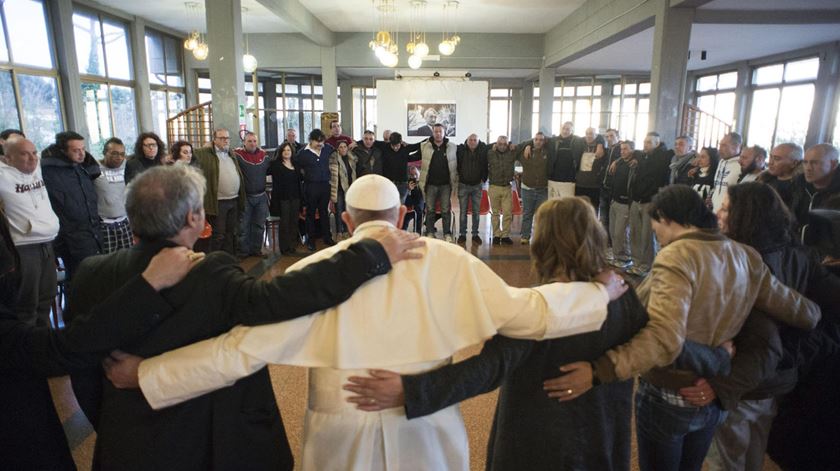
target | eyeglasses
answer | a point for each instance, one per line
(116, 154)
(222, 138)
(150, 145)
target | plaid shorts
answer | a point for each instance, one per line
(115, 236)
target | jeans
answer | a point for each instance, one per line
(469, 193)
(224, 226)
(671, 437)
(252, 231)
(442, 193)
(532, 198)
(340, 207)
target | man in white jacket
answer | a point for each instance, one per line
(411, 320)
(33, 226)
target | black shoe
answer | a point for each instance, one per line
(497, 241)
(477, 240)
(310, 246)
(329, 242)
(291, 251)
(506, 241)
(462, 239)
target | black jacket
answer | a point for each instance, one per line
(652, 173)
(368, 161)
(472, 165)
(233, 428)
(804, 197)
(137, 164)
(530, 430)
(73, 198)
(564, 156)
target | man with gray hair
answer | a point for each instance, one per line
(818, 187)
(412, 320)
(784, 164)
(682, 160)
(239, 424)
(33, 226)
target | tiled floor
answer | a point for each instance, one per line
(512, 263)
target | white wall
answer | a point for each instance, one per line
(393, 96)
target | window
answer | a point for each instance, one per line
(29, 89)
(299, 105)
(535, 110)
(364, 111)
(835, 139)
(578, 101)
(104, 60)
(629, 108)
(781, 101)
(166, 78)
(715, 95)
(500, 118)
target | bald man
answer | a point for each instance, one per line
(33, 226)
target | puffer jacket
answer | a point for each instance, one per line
(426, 152)
(702, 286)
(338, 174)
(73, 198)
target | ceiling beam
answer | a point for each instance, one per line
(768, 17)
(298, 17)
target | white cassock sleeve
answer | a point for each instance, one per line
(486, 305)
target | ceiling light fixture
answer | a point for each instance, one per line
(249, 62)
(449, 37)
(385, 40)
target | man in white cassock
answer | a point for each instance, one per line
(409, 321)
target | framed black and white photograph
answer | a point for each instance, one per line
(422, 118)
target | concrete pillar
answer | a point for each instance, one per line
(742, 98)
(547, 78)
(224, 38)
(270, 117)
(61, 13)
(527, 109)
(825, 97)
(329, 80)
(142, 90)
(515, 115)
(347, 109)
(668, 69)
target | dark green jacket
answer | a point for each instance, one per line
(208, 162)
(501, 166)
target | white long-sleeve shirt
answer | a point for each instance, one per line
(27, 206)
(726, 175)
(411, 320)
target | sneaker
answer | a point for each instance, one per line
(506, 241)
(462, 239)
(311, 246)
(448, 238)
(497, 241)
(525, 241)
(477, 240)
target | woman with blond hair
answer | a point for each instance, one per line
(535, 428)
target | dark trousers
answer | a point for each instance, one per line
(671, 437)
(340, 207)
(252, 233)
(317, 196)
(289, 230)
(593, 194)
(37, 283)
(417, 215)
(224, 225)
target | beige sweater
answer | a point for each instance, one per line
(701, 287)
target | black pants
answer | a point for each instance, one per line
(317, 196)
(594, 195)
(417, 215)
(289, 231)
(225, 224)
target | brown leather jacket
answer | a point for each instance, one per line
(702, 287)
